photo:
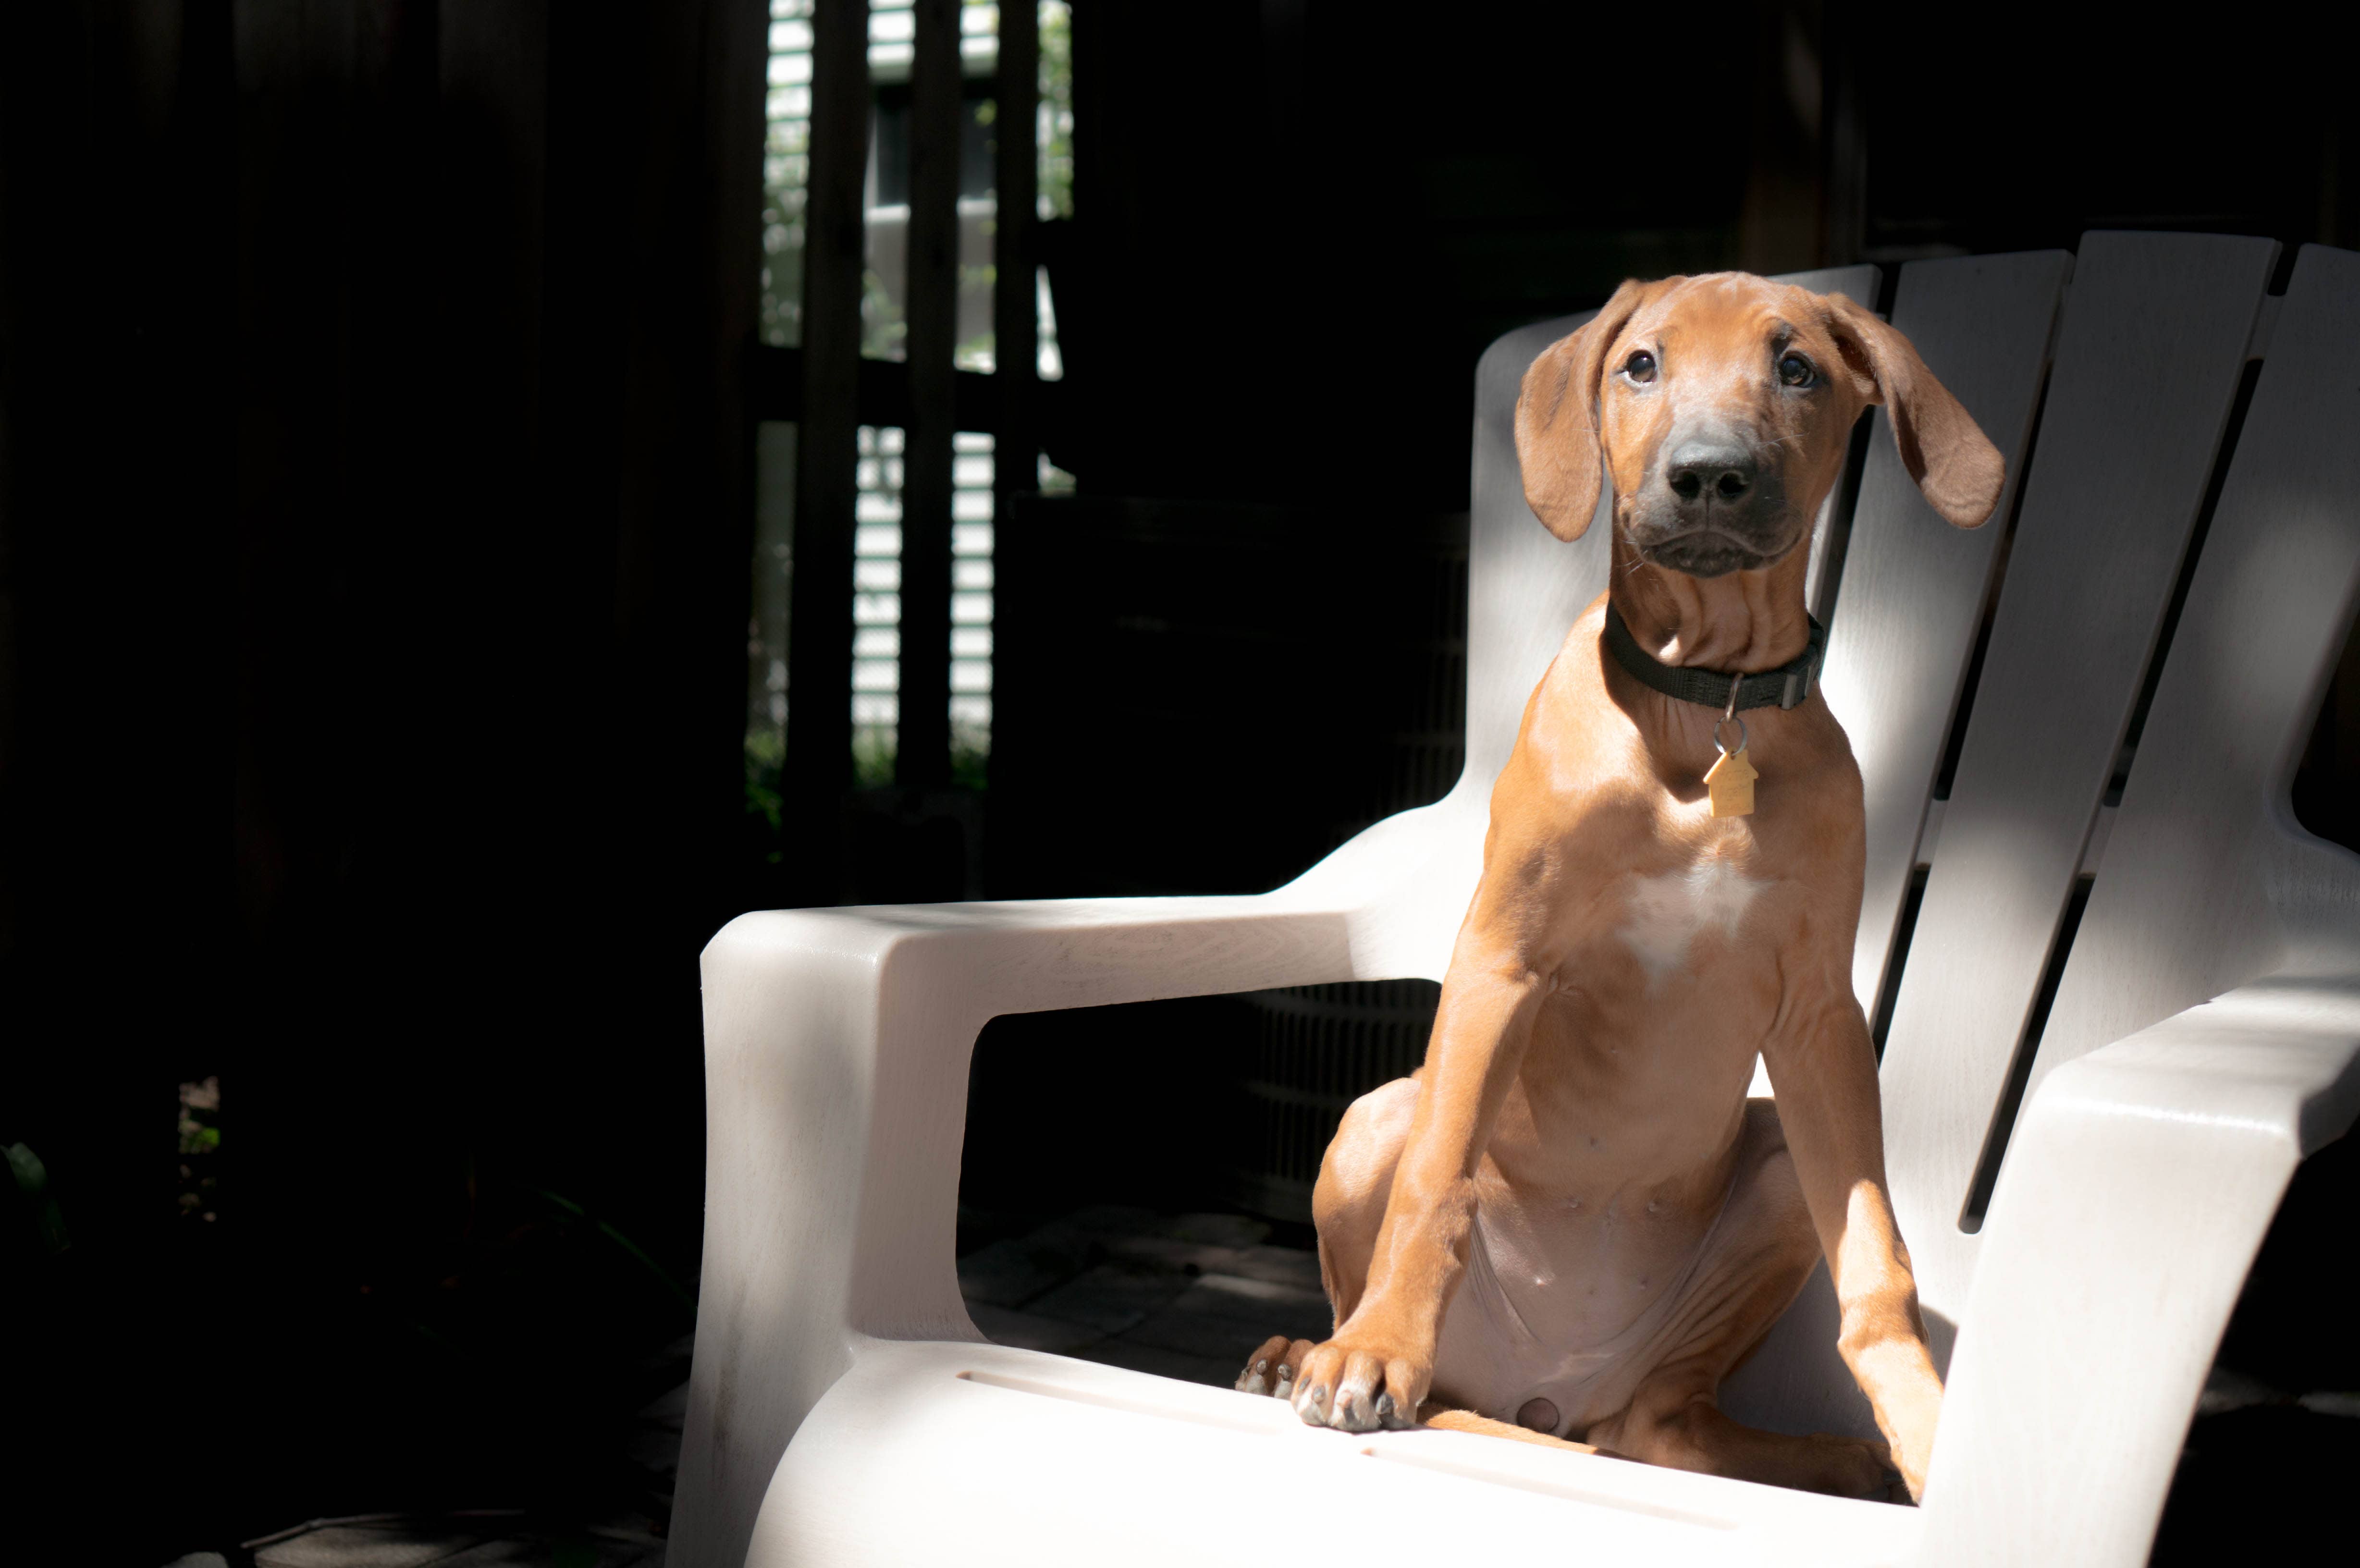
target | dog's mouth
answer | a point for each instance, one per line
(1705, 552)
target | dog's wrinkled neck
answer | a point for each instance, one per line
(1743, 622)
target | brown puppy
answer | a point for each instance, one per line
(1572, 1218)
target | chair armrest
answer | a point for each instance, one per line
(836, 1046)
(2136, 1191)
(836, 1052)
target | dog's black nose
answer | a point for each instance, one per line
(1714, 469)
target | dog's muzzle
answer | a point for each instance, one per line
(1715, 508)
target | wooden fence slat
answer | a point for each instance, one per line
(1015, 308)
(923, 754)
(819, 713)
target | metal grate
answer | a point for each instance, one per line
(1317, 1049)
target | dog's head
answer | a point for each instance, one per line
(1719, 408)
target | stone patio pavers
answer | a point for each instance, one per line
(1185, 1296)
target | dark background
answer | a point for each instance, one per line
(375, 533)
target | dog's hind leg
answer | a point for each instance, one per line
(1355, 1181)
(1763, 1252)
(1673, 1421)
(1356, 1178)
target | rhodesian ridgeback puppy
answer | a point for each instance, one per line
(1572, 1223)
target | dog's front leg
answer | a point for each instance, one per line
(1379, 1367)
(1824, 1067)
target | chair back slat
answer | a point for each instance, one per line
(1911, 595)
(2207, 883)
(1524, 586)
(2145, 374)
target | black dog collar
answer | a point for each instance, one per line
(1783, 687)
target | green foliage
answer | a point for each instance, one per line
(970, 761)
(1056, 111)
(32, 1179)
(872, 757)
(203, 1140)
(631, 1250)
(883, 333)
(765, 758)
(201, 1136)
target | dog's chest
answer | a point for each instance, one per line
(1664, 916)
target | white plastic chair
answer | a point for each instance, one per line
(2204, 1038)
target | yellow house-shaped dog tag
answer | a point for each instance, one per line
(1730, 783)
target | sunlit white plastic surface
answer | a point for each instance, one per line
(1007, 1456)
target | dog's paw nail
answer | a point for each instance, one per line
(1385, 1411)
(1262, 1366)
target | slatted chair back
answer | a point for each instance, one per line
(2207, 881)
(2151, 350)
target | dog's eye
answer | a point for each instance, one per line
(1640, 366)
(1796, 371)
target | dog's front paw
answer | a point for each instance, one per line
(1271, 1370)
(1363, 1380)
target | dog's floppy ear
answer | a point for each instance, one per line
(1557, 417)
(1956, 467)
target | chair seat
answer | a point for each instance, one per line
(930, 1453)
